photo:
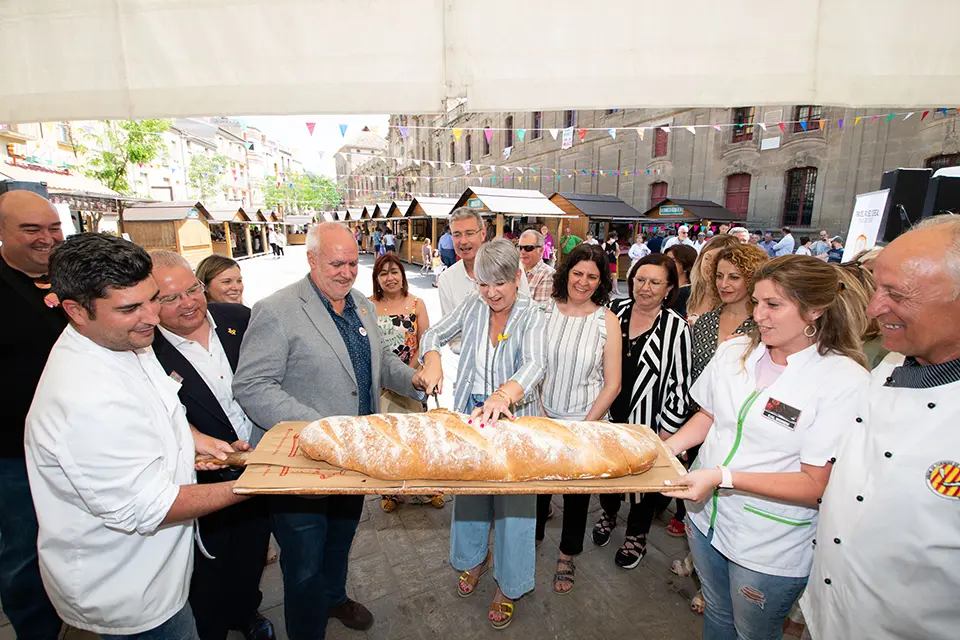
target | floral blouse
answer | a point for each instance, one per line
(399, 332)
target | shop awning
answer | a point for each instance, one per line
(227, 214)
(165, 211)
(138, 58)
(596, 207)
(511, 202)
(676, 210)
(56, 179)
(431, 207)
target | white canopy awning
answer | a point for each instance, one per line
(74, 60)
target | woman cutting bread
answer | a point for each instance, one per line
(501, 365)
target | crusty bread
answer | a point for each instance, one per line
(440, 445)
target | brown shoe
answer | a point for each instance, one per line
(352, 614)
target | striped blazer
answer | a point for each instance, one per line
(520, 357)
(660, 395)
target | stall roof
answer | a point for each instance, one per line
(599, 206)
(432, 207)
(328, 216)
(523, 202)
(56, 179)
(224, 213)
(381, 210)
(165, 211)
(348, 214)
(693, 210)
(399, 208)
(365, 213)
(299, 219)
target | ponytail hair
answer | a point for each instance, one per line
(814, 286)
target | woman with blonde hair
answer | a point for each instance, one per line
(774, 405)
(702, 291)
(859, 282)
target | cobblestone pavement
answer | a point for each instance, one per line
(400, 568)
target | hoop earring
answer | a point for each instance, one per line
(810, 326)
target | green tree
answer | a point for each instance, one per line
(304, 192)
(204, 173)
(123, 142)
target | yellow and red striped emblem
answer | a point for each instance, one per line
(944, 478)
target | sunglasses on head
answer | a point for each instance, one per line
(528, 247)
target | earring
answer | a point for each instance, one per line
(813, 333)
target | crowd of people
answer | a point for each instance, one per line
(810, 399)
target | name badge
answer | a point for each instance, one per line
(781, 413)
(176, 377)
(363, 331)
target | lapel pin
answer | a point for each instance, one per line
(232, 332)
(363, 311)
(363, 331)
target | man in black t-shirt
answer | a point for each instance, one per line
(29, 230)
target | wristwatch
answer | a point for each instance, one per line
(726, 478)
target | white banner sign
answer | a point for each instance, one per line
(567, 138)
(865, 223)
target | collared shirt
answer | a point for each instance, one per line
(357, 341)
(214, 367)
(784, 247)
(768, 247)
(540, 279)
(799, 419)
(888, 544)
(819, 248)
(445, 242)
(106, 462)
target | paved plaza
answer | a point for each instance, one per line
(399, 563)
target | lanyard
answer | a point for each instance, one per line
(741, 418)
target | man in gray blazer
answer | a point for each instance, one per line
(313, 350)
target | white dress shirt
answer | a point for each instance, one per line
(107, 449)
(887, 560)
(763, 534)
(214, 367)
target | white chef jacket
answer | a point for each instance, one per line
(214, 367)
(887, 561)
(763, 534)
(107, 448)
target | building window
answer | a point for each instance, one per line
(801, 190)
(537, 125)
(806, 114)
(660, 139)
(658, 193)
(941, 162)
(486, 141)
(742, 124)
(738, 194)
(610, 112)
(569, 119)
(468, 152)
(508, 132)
(453, 151)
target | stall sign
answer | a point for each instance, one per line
(193, 213)
(671, 210)
(474, 203)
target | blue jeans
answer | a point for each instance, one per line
(24, 600)
(180, 627)
(741, 604)
(314, 537)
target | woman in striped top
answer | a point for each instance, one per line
(655, 389)
(583, 377)
(501, 365)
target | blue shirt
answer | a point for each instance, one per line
(446, 242)
(358, 346)
(768, 247)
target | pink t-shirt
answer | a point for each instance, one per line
(768, 371)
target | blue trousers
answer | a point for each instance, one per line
(24, 599)
(180, 627)
(741, 604)
(314, 537)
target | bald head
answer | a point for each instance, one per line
(29, 230)
(333, 257)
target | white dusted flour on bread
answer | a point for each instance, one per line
(440, 445)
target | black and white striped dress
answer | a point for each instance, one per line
(574, 362)
(656, 371)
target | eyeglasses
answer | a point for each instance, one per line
(470, 235)
(529, 247)
(174, 298)
(642, 282)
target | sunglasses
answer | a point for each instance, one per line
(529, 247)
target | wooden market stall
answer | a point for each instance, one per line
(603, 215)
(670, 213)
(228, 230)
(400, 227)
(181, 226)
(296, 227)
(257, 230)
(515, 210)
(427, 220)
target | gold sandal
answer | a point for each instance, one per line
(505, 608)
(468, 579)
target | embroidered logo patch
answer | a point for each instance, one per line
(944, 478)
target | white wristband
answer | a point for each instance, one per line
(726, 478)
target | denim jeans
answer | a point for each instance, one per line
(514, 520)
(21, 590)
(314, 537)
(180, 627)
(741, 604)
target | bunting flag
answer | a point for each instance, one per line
(554, 132)
(762, 125)
(415, 161)
(613, 133)
(457, 133)
(449, 165)
(583, 134)
(891, 117)
(310, 126)
(466, 166)
(521, 133)
(640, 133)
(665, 129)
(488, 134)
(783, 127)
(717, 127)
(907, 117)
(520, 169)
(924, 116)
(343, 131)
(803, 125)
(404, 131)
(873, 119)
(691, 130)
(840, 123)
(857, 120)
(506, 152)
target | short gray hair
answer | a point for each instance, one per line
(951, 224)
(169, 260)
(536, 234)
(315, 232)
(463, 213)
(737, 230)
(497, 261)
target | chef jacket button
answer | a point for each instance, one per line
(353, 393)
(819, 500)
(859, 498)
(889, 379)
(826, 581)
(859, 419)
(931, 405)
(836, 541)
(887, 454)
(833, 459)
(814, 542)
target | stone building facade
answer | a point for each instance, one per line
(805, 175)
